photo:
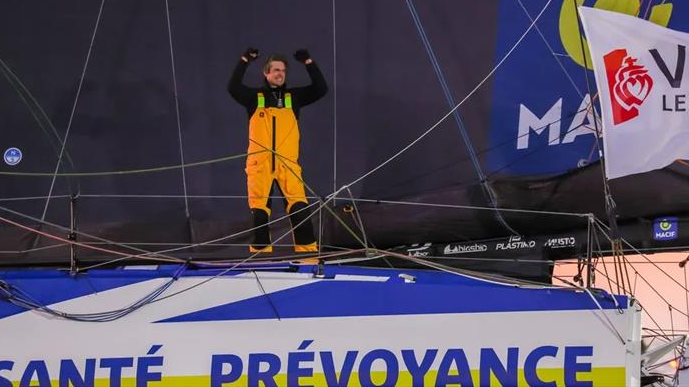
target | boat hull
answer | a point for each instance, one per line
(349, 327)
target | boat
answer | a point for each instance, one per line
(301, 325)
(455, 136)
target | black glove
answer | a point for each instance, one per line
(250, 54)
(302, 55)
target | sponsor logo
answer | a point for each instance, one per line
(422, 251)
(461, 249)
(560, 243)
(665, 229)
(571, 35)
(672, 101)
(516, 243)
(629, 84)
(12, 156)
(536, 111)
(296, 368)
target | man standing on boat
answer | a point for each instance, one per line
(273, 154)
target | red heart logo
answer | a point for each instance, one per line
(633, 85)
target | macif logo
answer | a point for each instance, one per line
(629, 84)
(665, 229)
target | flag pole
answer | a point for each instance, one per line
(610, 206)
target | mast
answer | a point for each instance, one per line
(610, 207)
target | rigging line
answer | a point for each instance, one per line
(640, 304)
(131, 171)
(534, 150)
(43, 222)
(658, 249)
(618, 266)
(22, 91)
(260, 286)
(660, 295)
(320, 231)
(540, 128)
(293, 226)
(296, 259)
(605, 267)
(455, 114)
(357, 259)
(334, 100)
(610, 324)
(233, 157)
(648, 283)
(74, 108)
(179, 124)
(672, 320)
(33, 198)
(602, 225)
(458, 206)
(609, 202)
(357, 218)
(537, 149)
(648, 8)
(107, 196)
(663, 332)
(651, 287)
(223, 272)
(35, 249)
(322, 205)
(280, 259)
(75, 243)
(182, 244)
(485, 277)
(212, 241)
(19, 297)
(686, 294)
(443, 118)
(331, 197)
(556, 57)
(626, 271)
(485, 259)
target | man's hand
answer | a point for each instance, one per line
(250, 54)
(303, 56)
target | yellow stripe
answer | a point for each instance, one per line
(288, 100)
(601, 377)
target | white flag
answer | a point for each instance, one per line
(643, 84)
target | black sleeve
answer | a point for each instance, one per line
(316, 90)
(239, 91)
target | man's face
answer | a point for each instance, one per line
(276, 74)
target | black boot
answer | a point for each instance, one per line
(304, 241)
(261, 242)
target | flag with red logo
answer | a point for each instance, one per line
(643, 84)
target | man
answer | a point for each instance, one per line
(273, 111)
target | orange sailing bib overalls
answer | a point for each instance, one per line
(273, 156)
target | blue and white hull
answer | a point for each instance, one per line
(348, 327)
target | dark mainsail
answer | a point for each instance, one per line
(116, 95)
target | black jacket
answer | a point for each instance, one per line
(301, 96)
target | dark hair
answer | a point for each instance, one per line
(275, 58)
